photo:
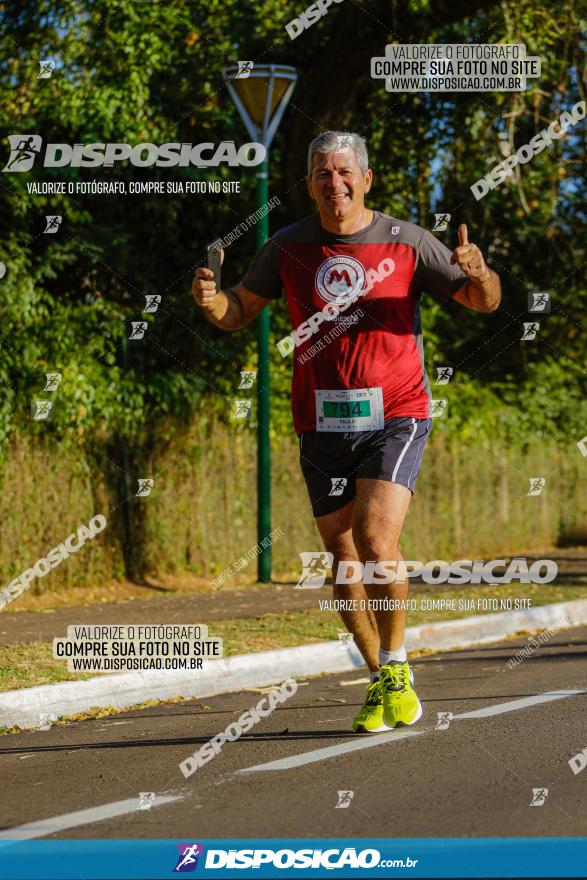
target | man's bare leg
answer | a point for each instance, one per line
(379, 511)
(336, 531)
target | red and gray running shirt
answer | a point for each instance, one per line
(383, 348)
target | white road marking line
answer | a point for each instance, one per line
(334, 751)
(512, 706)
(43, 827)
(388, 738)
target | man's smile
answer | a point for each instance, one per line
(338, 197)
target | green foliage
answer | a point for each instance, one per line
(152, 72)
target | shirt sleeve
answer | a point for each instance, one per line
(262, 277)
(434, 273)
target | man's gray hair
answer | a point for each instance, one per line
(339, 142)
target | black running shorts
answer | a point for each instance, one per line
(332, 461)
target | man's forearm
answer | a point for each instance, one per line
(225, 311)
(484, 293)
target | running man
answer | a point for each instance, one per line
(360, 393)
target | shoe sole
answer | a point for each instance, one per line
(362, 729)
(407, 723)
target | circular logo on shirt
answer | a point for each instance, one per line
(340, 277)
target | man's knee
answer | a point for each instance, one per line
(375, 548)
(341, 547)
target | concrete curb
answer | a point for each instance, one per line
(26, 706)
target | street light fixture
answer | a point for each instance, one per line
(261, 95)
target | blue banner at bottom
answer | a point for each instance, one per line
(285, 858)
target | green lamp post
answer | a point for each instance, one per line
(261, 95)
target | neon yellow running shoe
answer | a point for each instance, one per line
(401, 705)
(370, 718)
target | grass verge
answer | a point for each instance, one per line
(24, 666)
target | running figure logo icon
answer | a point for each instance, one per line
(444, 719)
(42, 410)
(344, 143)
(53, 380)
(145, 487)
(344, 799)
(242, 409)
(146, 800)
(530, 330)
(244, 69)
(537, 484)
(539, 301)
(338, 485)
(45, 720)
(443, 375)
(53, 222)
(441, 222)
(437, 408)
(315, 568)
(340, 277)
(188, 857)
(539, 795)
(247, 378)
(152, 301)
(46, 69)
(138, 329)
(24, 149)
(345, 640)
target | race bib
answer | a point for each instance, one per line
(352, 409)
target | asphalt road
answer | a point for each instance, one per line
(83, 779)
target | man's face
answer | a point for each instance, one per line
(337, 184)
